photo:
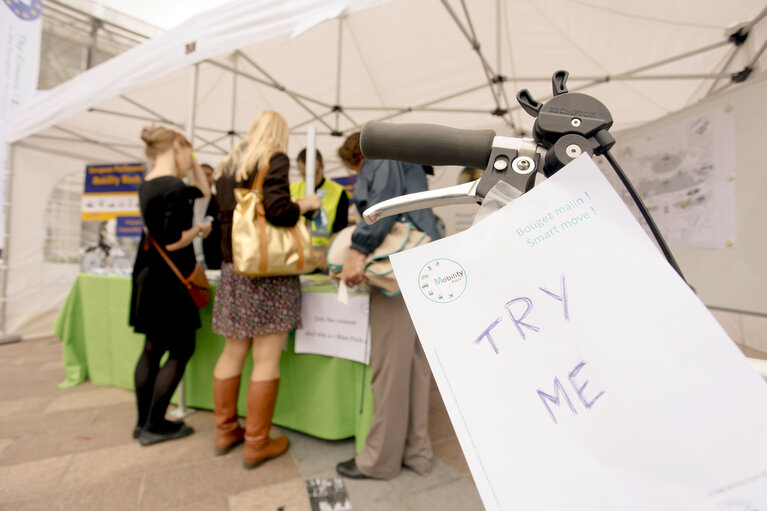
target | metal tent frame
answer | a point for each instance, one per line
(340, 119)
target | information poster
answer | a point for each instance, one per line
(579, 371)
(111, 217)
(685, 174)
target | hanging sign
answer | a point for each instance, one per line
(21, 25)
(579, 370)
(331, 328)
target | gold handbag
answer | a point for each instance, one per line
(260, 249)
(378, 269)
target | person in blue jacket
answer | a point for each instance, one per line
(401, 378)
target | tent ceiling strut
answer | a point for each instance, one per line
(256, 79)
(152, 119)
(282, 88)
(490, 75)
(92, 141)
(164, 119)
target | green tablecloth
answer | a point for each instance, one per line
(322, 396)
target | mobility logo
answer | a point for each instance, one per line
(26, 10)
(442, 280)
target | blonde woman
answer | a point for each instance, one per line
(254, 314)
(161, 307)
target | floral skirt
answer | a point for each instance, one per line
(246, 307)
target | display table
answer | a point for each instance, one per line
(321, 396)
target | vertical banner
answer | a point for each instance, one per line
(20, 28)
(111, 217)
(579, 371)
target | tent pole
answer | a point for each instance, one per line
(498, 35)
(490, 74)
(758, 54)
(181, 410)
(472, 38)
(219, 139)
(80, 141)
(338, 69)
(304, 123)
(724, 67)
(272, 83)
(91, 141)
(757, 19)
(6, 338)
(282, 88)
(751, 65)
(499, 66)
(234, 101)
(669, 60)
(151, 119)
(164, 119)
(27, 145)
(439, 100)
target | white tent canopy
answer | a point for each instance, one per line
(340, 63)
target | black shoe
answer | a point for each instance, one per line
(349, 469)
(148, 437)
(174, 425)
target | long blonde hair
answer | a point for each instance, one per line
(268, 134)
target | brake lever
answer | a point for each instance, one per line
(465, 193)
(513, 160)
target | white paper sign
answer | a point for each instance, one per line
(334, 329)
(579, 371)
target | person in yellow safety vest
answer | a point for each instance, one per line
(334, 213)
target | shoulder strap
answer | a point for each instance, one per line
(263, 170)
(165, 256)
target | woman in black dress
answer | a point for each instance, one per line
(161, 307)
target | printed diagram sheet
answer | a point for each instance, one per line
(685, 174)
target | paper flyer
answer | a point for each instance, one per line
(579, 370)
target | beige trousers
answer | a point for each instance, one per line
(400, 382)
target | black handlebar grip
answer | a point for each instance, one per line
(426, 144)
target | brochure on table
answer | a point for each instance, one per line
(579, 370)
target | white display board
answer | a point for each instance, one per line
(579, 371)
(685, 174)
(732, 276)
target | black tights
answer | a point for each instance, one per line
(154, 384)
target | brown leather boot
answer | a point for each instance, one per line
(228, 430)
(262, 396)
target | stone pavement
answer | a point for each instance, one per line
(66, 449)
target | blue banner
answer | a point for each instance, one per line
(129, 226)
(113, 178)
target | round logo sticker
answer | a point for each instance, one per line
(442, 280)
(26, 10)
